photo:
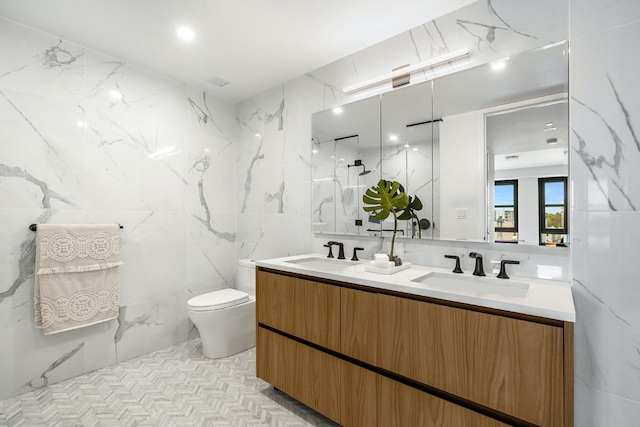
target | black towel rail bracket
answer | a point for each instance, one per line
(34, 227)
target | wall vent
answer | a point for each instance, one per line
(218, 81)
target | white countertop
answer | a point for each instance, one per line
(551, 299)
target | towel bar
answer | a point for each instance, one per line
(34, 227)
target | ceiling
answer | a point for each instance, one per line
(254, 44)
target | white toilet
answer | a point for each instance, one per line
(226, 319)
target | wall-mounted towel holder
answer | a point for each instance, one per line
(34, 227)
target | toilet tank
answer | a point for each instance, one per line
(246, 276)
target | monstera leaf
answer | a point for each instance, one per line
(388, 197)
(415, 204)
(385, 198)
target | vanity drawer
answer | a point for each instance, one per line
(303, 308)
(513, 366)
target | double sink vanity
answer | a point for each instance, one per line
(421, 347)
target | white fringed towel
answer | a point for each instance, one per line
(77, 277)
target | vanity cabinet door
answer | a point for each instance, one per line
(359, 396)
(306, 374)
(401, 405)
(359, 325)
(303, 308)
(510, 365)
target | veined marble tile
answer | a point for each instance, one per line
(274, 110)
(589, 17)
(211, 249)
(39, 63)
(250, 171)
(137, 165)
(213, 117)
(250, 115)
(605, 111)
(17, 260)
(212, 162)
(43, 359)
(116, 88)
(604, 285)
(594, 408)
(263, 236)
(150, 326)
(303, 96)
(153, 250)
(41, 157)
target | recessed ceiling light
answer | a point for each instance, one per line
(337, 110)
(257, 135)
(116, 94)
(407, 145)
(185, 33)
(415, 148)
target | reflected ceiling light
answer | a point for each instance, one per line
(116, 94)
(393, 137)
(415, 148)
(337, 110)
(185, 33)
(549, 124)
(434, 62)
(407, 145)
(314, 151)
(550, 129)
(498, 65)
(257, 135)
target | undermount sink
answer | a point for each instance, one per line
(483, 285)
(326, 264)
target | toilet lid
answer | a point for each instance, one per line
(217, 300)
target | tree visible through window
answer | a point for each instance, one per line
(506, 211)
(554, 227)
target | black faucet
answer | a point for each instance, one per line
(457, 269)
(355, 254)
(479, 270)
(503, 270)
(330, 251)
(341, 249)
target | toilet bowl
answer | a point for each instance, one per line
(226, 319)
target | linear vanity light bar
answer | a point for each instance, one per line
(434, 62)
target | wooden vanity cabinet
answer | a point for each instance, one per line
(369, 357)
(513, 366)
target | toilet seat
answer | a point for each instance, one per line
(218, 300)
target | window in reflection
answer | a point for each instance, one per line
(553, 207)
(506, 211)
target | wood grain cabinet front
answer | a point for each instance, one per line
(367, 357)
(513, 366)
(306, 309)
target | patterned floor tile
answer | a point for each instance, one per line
(173, 387)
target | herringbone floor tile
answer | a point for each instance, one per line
(174, 387)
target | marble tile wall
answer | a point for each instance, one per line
(605, 160)
(88, 138)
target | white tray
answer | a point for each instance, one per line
(391, 270)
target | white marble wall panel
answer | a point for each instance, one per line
(605, 124)
(41, 157)
(73, 153)
(605, 159)
(589, 17)
(273, 235)
(251, 117)
(211, 253)
(41, 64)
(150, 326)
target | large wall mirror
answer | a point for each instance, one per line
(447, 141)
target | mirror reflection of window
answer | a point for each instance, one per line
(552, 195)
(506, 211)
